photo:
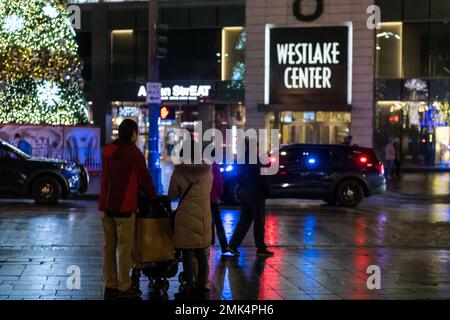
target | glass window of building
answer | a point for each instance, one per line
(391, 10)
(416, 10)
(440, 50)
(232, 55)
(84, 51)
(389, 50)
(122, 55)
(440, 9)
(416, 50)
(192, 55)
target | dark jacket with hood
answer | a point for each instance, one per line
(124, 174)
(193, 218)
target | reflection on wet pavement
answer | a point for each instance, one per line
(322, 252)
(425, 183)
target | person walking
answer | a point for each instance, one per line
(397, 161)
(254, 189)
(216, 194)
(389, 157)
(192, 183)
(124, 174)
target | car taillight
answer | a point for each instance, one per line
(380, 167)
(363, 159)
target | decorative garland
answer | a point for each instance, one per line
(296, 7)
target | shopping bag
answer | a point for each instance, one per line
(153, 240)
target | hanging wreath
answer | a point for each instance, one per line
(307, 18)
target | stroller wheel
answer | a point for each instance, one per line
(181, 277)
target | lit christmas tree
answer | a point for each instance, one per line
(40, 71)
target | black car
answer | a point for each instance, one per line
(46, 180)
(337, 174)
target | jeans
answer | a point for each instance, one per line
(188, 269)
(218, 227)
(119, 236)
(253, 210)
(389, 168)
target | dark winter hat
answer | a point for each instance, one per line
(126, 129)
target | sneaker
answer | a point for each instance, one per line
(129, 294)
(264, 253)
(110, 293)
(233, 251)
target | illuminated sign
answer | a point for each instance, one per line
(308, 66)
(180, 93)
(167, 113)
(128, 112)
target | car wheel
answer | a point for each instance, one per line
(350, 193)
(46, 191)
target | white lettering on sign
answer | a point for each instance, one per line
(177, 92)
(308, 77)
(142, 92)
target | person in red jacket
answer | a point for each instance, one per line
(216, 194)
(124, 174)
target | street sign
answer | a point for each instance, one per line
(154, 92)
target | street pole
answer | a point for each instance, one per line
(154, 109)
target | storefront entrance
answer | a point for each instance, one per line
(311, 127)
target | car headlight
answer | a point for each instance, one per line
(67, 166)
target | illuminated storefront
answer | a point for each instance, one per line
(412, 86)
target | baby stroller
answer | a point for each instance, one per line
(157, 273)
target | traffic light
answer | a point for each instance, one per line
(162, 40)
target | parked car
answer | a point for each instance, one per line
(45, 180)
(337, 174)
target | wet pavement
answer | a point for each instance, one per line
(322, 252)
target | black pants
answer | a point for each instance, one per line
(188, 267)
(253, 209)
(396, 170)
(217, 226)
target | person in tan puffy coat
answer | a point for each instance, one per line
(192, 233)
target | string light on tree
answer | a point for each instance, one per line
(40, 70)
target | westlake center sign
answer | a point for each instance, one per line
(308, 67)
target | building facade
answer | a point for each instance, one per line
(202, 74)
(312, 69)
(308, 112)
